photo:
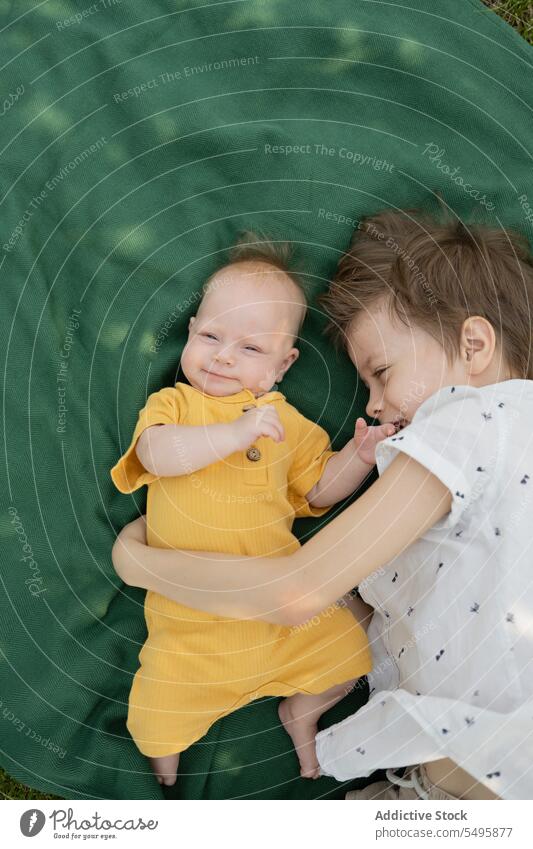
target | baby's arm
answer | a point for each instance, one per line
(167, 450)
(347, 469)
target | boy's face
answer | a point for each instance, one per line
(242, 336)
(401, 366)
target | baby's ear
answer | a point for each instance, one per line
(191, 322)
(291, 358)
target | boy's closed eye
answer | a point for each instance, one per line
(377, 374)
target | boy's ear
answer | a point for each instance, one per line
(291, 358)
(478, 343)
(191, 322)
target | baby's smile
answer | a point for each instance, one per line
(220, 376)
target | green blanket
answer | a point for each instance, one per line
(137, 140)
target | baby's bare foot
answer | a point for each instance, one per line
(302, 730)
(165, 768)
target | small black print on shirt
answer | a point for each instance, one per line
(525, 479)
(440, 566)
(460, 494)
(487, 416)
(452, 389)
(445, 730)
(501, 404)
(497, 532)
(493, 774)
(474, 608)
(395, 577)
(510, 618)
(480, 469)
(360, 750)
(469, 720)
(439, 655)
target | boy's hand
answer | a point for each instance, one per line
(366, 438)
(259, 421)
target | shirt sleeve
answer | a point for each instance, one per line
(456, 435)
(312, 452)
(161, 408)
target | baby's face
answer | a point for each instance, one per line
(243, 334)
(400, 365)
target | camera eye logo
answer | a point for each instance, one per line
(32, 822)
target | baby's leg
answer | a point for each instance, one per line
(165, 768)
(300, 714)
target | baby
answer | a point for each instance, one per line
(229, 464)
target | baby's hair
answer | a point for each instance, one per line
(436, 274)
(254, 246)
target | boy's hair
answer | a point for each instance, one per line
(436, 275)
(257, 247)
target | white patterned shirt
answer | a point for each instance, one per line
(452, 632)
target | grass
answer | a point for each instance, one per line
(518, 13)
(11, 789)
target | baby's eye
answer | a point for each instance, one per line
(379, 371)
(209, 335)
(252, 348)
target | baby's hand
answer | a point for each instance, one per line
(366, 438)
(259, 421)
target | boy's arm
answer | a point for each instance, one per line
(346, 470)
(398, 508)
(170, 449)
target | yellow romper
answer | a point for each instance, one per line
(196, 667)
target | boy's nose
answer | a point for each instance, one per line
(374, 407)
